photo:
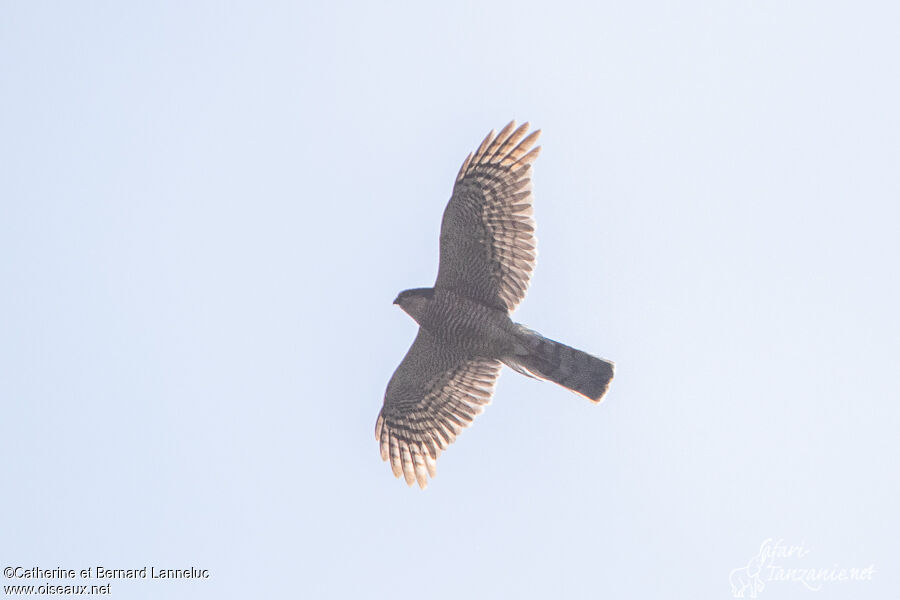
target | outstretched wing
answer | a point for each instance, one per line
(434, 393)
(487, 234)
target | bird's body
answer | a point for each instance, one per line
(468, 325)
(487, 251)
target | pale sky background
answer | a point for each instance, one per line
(206, 210)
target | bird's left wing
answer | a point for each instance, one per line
(487, 234)
(434, 393)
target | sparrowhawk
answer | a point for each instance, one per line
(487, 254)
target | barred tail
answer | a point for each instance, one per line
(573, 369)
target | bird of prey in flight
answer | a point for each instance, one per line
(487, 254)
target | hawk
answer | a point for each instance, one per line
(487, 254)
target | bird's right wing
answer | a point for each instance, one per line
(488, 246)
(434, 393)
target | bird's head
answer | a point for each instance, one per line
(413, 302)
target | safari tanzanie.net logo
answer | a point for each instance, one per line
(778, 563)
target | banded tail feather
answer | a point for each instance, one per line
(571, 368)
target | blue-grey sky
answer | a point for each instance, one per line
(207, 208)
